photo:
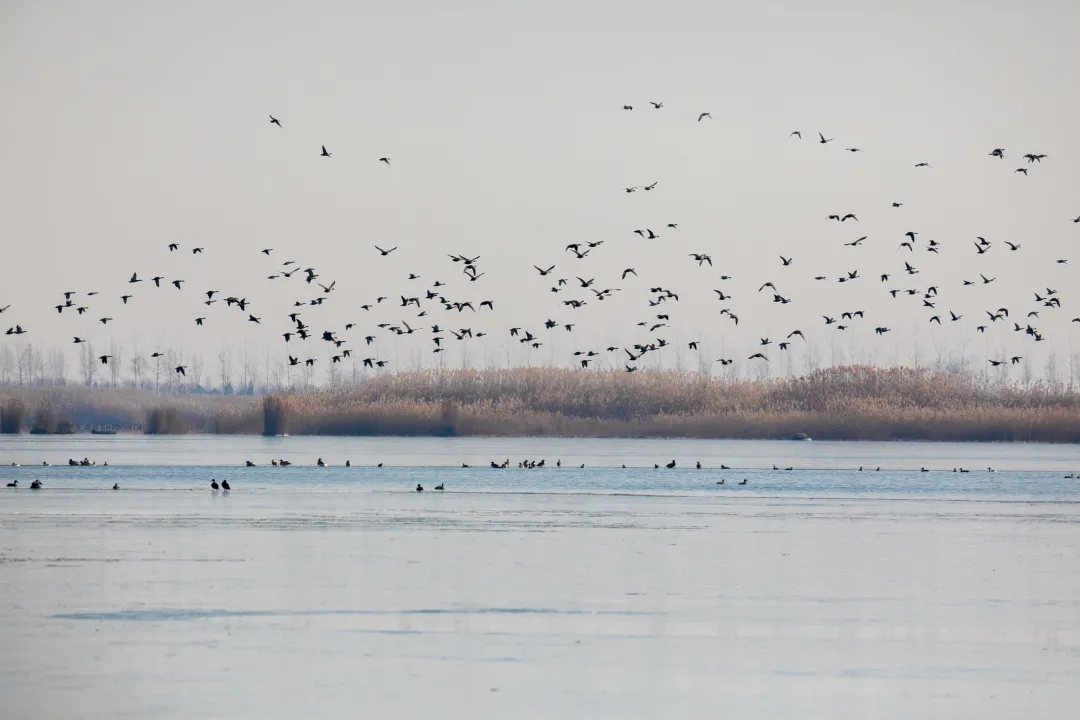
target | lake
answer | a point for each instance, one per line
(820, 592)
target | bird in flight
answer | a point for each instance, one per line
(796, 133)
(823, 140)
(275, 121)
(704, 115)
(656, 105)
(922, 164)
(324, 153)
(384, 253)
(385, 160)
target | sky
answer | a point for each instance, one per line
(131, 126)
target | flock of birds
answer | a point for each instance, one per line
(572, 289)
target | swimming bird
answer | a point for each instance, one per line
(442, 486)
(419, 487)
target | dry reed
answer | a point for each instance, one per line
(847, 403)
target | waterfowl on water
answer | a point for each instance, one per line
(440, 486)
(744, 482)
(698, 465)
(670, 465)
(320, 462)
(116, 486)
(419, 487)
(464, 465)
(348, 463)
(284, 463)
(274, 463)
(15, 483)
(379, 465)
(719, 482)
(36, 485)
(44, 463)
(923, 470)
(248, 463)
(724, 467)
(213, 484)
(656, 466)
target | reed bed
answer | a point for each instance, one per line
(845, 403)
(123, 409)
(848, 403)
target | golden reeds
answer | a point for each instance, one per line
(844, 403)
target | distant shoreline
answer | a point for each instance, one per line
(843, 404)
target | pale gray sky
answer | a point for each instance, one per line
(129, 126)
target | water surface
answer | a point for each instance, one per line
(821, 592)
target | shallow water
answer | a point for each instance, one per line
(601, 592)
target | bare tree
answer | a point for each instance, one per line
(138, 364)
(249, 370)
(116, 365)
(89, 364)
(1051, 369)
(58, 366)
(7, 364)
(224, 359)
(195, 372)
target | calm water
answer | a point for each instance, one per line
(822, 592)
